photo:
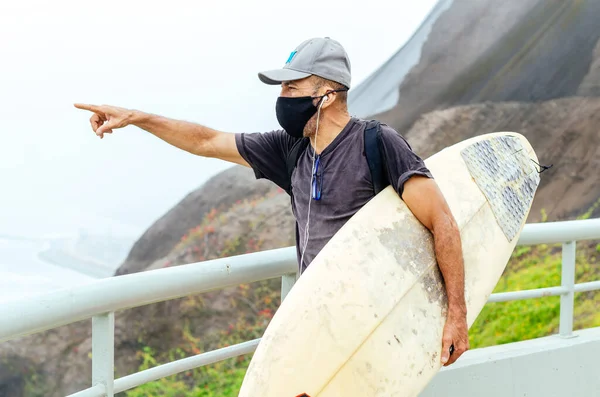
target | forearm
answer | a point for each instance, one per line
(448, 252)
(427, 202)
(191, 137)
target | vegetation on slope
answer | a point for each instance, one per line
(531, 268)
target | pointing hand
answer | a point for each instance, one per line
(106, 118)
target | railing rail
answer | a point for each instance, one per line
(69, 305)
(100, 299)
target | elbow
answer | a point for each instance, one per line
(206, 146)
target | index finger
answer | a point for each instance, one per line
(92, 108)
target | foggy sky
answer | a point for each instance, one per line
(191, 60)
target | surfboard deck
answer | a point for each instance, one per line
(366, 318)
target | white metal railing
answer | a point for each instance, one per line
(100, 299)
(567, 233)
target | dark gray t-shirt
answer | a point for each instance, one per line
(344, 177)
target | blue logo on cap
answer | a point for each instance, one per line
(291, 57)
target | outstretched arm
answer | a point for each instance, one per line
(427, 203)
(191, 137)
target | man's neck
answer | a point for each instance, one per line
(329, 129)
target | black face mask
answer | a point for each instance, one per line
(294, 113)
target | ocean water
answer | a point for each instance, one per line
(52, 254)
(35, 266)
(23, 273)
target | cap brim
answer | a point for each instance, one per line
(277, 76)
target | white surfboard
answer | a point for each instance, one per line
(366, 317)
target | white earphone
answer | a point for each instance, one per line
(307, 228)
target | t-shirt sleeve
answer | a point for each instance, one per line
(266, 153)
(402, 161)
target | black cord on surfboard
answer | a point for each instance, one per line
(542, 167)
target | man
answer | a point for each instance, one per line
(314, 84)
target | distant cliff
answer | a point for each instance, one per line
(480, 50)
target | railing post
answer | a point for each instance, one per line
(568, 282)
(287, 282)
(103, 351)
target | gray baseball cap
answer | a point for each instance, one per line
(322, 57)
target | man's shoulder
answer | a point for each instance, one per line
(390, 136)
(387, 131)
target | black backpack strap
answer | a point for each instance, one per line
(375, 156)
(291, 160)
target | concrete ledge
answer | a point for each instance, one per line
(544, 367)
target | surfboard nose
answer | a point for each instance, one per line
(504, 167)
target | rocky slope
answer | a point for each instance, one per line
(590, 86)
(220, 192)
(527, 51)
(564, 132)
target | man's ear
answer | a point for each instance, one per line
(328, 99)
